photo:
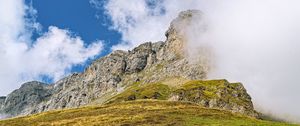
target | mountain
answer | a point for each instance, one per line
(2, 100)
(159, 71)
(21, 101)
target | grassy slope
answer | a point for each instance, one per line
(145, 112)
(162, 91)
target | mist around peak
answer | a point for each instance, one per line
(256, 48)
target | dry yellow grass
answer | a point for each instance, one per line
(145, 112)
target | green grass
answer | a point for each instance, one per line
(145, 112)
(135, 106)
(162, 91)
(192, 90)
(138, 91)
(210, 89)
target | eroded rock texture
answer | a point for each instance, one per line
(112, 74)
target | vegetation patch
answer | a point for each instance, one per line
(140, 112)
(220, 90)
(147, 91)
(197, 91)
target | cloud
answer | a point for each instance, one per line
(254, 42)
(52, 55)
(56, 52)
(134, 20)
(143, 20)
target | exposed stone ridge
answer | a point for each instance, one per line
(2, 100)
(110, 75)
(177, 34)
(218, 94)
(24, 99)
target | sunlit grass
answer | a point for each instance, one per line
(141, 112)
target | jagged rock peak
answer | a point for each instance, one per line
(181, 28)
(27, 97)
(33, 84)
(183, 20)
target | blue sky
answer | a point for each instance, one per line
(81, 18)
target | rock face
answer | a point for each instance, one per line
(23, 100)
(217, 94)
(2, 100)
(112, 74)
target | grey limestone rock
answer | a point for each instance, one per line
(23, 100)
(2, 100)
(111, 74)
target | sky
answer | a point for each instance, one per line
(254, 41)
(80, 17)
(50, 39)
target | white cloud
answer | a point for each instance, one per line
(22, 59)
(254, 41)
(56, 52)
(136, 22)
(144, 20)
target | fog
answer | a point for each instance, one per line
(251, 41)
(255, 43)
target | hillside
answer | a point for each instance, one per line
(112, 87)
(210, 93)
(196, 102)
(145, 112)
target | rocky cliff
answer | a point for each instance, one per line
(23, 100)
(149, 63)
(2, 100)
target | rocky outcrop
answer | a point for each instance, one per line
(111, 75)
(218, 94)
(2, 100)
(22, 101)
